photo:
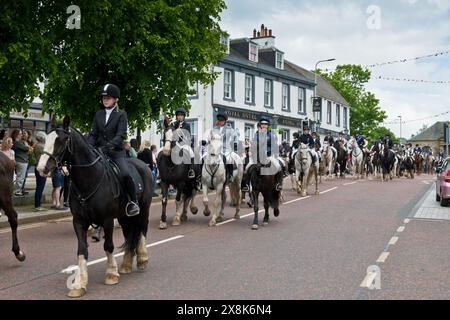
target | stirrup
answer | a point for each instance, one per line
(133, 212)
(278, 187)
(191, 174)
(246, 188)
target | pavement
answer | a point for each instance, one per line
(320, 247)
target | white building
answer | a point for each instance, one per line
(255, 79)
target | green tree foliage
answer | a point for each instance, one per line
(380, 131)
(152, 49)
(365, 112)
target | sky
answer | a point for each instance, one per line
(363, 32)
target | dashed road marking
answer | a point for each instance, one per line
(328, 190)
(406, 221)
(348, 184)
(393, 241)
(368, 280)
(400, 229)
(383, 257)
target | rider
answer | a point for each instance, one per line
(329, 139)
(180, 123)
(389, 141)
(228, 133)
(362, 142)
(417, 149)
(317, 144)
(109, 129)
(342, 139)
(263, 128)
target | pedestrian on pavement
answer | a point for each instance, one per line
(27, 137)
(146, 155)
(58, 183)
(129, 150)
(40, 180)
(21, 155)
(7, 150)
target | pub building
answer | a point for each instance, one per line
(34, 121)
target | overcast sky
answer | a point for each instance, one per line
(312, 30)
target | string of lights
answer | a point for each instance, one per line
(407, 59)
(411, 80)
(421, 119)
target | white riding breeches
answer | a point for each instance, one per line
(274, 163)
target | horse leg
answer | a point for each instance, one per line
(81, 279)
(164, 197)
(222, 206)
(255, 209)
(179, 201)
(317, 188)
(238, 200)
(266, 211)
(217, 204)
(12, 220)
(142, 255)
(206, 211)
(305, 184)
(111, 276)
(192, 205)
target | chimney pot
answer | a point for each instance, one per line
(262, 29)
(265, 32)
(270, 32)
(259, 34)
(254, 33)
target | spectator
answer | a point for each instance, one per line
(21, 153)
(155, 169)
(146, 155)
(7, 144)
(2, 135)
(58, 183)
(27, 137)
(129, 151)
(40, 180)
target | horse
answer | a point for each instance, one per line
(387, 160)
(408, 163)
(341, 159)
(429, 163)
(6, 190)
(97, 197)
(176, 174)
(357, 158)
(305, 168)
(376, 162)
(328, 158)
(264, 183)
(418, 159)
(214, 178)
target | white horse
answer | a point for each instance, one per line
(357, 158)
(305, 169)
(329, 159)
(214, 178)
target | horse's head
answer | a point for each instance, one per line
(168, 135)
(215, 145)
(303, 152)
(56, 148)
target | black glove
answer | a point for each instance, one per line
(110, 146)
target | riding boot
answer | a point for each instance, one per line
(191, 173)
(132, 208)
(279, 181)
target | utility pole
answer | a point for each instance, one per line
(400, 126)
(315, 85)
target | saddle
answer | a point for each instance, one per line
(135, 176)
(313, 157)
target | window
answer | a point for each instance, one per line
(286, 136)
(193, 87)
(253, 52)
(301, 100)
(279, 60)
(345, 118)
(228, 85)
(194, 131)
(249, 92)
(285, 97)
(338, 115)
(249, 131)
(225, 40)
(329, 112)
(268, 93)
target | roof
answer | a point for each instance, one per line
(433, 133)
(324, 88)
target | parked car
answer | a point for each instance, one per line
(443, 183)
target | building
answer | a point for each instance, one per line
(433, 136)
(255, 79)
(35, 121)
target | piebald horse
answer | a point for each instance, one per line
(328, 159)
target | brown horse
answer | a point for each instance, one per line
(418, 160)
(6, 188)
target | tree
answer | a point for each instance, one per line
(378, 132)
(151, 49)
(365, 113)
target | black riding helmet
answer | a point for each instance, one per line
(296, 135)
(180, 111)
(222, 116)
(111, 90)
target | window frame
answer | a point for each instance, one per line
(280, 55)
(338, 115)
(286, 108)
(252, 83)
(231, 72)
(270, 105)
(301, 109)
(251, 45)
(329, 113)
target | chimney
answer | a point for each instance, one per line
(270, 32)
(262, 30)
(254, 33)
(259, 34)
(266, 33)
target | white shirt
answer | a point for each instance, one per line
(108, 113)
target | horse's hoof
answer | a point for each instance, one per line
(184, 218)
(21, 256)
(76, 293)
(125, 269)
(142, 265)
(249, 204)
(237, 216)
(219, 218)
(304, 194)
(265, 222)
(194, 210)
(212, 223)
(162, 225)
(254, 227)
(276, 212)
(317, 193)
(206, 213)
(111, 279)
(176, 221)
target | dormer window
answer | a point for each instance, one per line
(279, 61)
(225, 40)
(253, 52)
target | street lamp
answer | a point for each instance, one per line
(315, 79)
(400, 117)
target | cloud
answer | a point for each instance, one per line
(308, 31)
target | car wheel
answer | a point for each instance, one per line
(438, 198)
(443, 202)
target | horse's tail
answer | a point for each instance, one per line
(132, 227)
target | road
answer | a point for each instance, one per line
(320, 247)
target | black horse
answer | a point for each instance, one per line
(6, 190)
(264, 184)
(341, 159)
(387, 161)
(177, 176)
(97, 197)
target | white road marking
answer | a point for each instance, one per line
(70, 269)
(347, 184)
(406, 221)
(400, 229)
(393, 241)
(368, 280)
(383, 257)
(426, 182)
(328, 190)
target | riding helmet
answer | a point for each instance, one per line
(296, 135)
(111, 90)
(180, 111)
(264, 120)
(305, 128)
(222, 116)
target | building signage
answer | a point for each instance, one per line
(242, 115)
(32, 115)
(296, 123)
(317, 104)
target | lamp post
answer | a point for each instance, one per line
(315, 79)
(400, 119)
